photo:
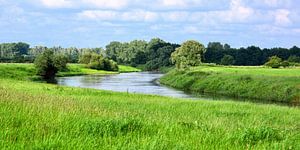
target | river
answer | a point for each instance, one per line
(139, 82)
(136, 82)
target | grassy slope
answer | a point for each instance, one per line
(123, 68)
(26, 71)
(37, 115)
(244, 82)
(44, 116)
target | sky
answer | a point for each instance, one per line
(95, 23)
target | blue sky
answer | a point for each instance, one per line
(94, 23)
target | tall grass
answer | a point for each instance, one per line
(241, 82)
(27, 71)
(42, 116)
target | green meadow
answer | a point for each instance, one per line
(27, 71)
(259, 83)
(45, 116)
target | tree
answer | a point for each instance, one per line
(188, 54)
(274, 62)
(45, 66)
(60, 61)
(152, 48)
(214, 52)
(294, 59)
(98, 62)
(227, 60)
(162, 59)
(85, 58)
(112, 50)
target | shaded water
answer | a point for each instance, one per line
(137, 82)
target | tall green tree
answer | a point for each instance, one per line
(48, 64)
(112, 50)
(227, 60)
(188, 54)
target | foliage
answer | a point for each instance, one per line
(188, 54)
(274, 62)
(60, 62)
(156, 53)
(250, 56)
(127, 53)
(98, 62)
(227, 60)
(285, 64)
(240, 82)
(123, 68)
(13, 52)
(48, 64)
(294, 59)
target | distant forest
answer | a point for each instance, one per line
(153, 54)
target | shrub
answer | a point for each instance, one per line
(98, 62)
(47, 64)
(85, 58)
(294, 59)
(227, 60)
(285, 64)
(60, 61)
(188, 54)
(274, 62)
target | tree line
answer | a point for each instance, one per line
(151, 55)
(250, 56)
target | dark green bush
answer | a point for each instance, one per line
(227, 60)
(294, 59)
(47, 64)
(285, 64)
(98, 62)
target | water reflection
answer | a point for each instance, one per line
(138, 82)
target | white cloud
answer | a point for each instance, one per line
(192, 30)
(174, 3)
(282, 17)
(176, 16)
(274, 3)
(98, 15)
(137, 15)
(267, 29)
(56, 3)
(238, 12)
(103, 4)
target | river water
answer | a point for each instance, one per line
(136, 82)
(139, 82)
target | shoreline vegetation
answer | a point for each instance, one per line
(27, 71)
(279, 85)
(46, 116)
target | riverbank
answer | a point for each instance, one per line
(45, 116)
(281, 85)
(38, 115)
(27, 71)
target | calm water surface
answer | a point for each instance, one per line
(137, 82)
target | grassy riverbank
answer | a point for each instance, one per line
(45, 116)
(241, 82)
(27, 71)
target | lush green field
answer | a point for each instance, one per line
(27, 71)
(39, 116)
(123, 68)
(45, 116)
(241, 82)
